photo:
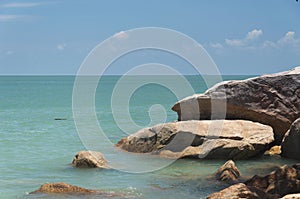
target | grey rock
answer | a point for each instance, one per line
(291, 143)
(273, 100)
(211, 139)
(89, 159)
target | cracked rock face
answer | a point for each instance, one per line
(273, 100)
(240, 190)
(291, 142)
(284, 180)
(89, 159)
(211, 139)
(228, 172)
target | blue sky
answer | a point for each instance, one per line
(242, 37)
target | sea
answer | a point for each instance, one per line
(39, 138)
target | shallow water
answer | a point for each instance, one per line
(36, 148)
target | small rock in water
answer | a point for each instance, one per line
(228, 172)
(283, 181)
(89, 159)
(64, 188)
(275, 150)
(60, 118)
(61, 187)
(240, 190)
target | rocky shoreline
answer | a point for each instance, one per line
(232, 120)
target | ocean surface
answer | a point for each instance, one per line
(37, 148)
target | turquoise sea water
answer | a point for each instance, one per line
(36, 148)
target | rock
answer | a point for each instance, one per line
(240, 190)
(283, 181)
(89, 159)
(292, 196)
(275, 150)
(228, 172)
(211, 139)
(291, 142)
(273, 100)
(61, 187)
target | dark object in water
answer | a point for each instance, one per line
(60, 118)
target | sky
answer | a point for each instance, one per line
(242, 37)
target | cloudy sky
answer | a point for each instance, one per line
(242, 37)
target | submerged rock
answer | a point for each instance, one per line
(89, 159)
(228, 172)
(61, 187)
(283, 181)
(273, 100)
(217, 139)
(291, 142)
(240, 190)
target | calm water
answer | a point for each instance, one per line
(36, 148)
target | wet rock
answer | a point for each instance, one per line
(240, 190)
(89, 159)
(273, 100)
(61, 187)
(291, 142)
(282, 181)
(211, 139)
(228, 172)
(275, 150)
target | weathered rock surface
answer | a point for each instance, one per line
(240, 190)
(283, 181)
(273, 100)
(61, 187)
(291, 142)
(211, 139)
(228, 172)
(275, 150)
(292, 196)
(89, 159)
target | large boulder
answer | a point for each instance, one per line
(211, 139)
(228, 172)
(240, 190)
(89, 159)
(285, 180)
(291, 143)
(273, 100)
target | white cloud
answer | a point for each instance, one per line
(234, 42)
(269, 44)
(61, 46)
(121, 35)
(5, 18)
(216, 45)
(252, 35)
(287, 40)
(21, 5)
